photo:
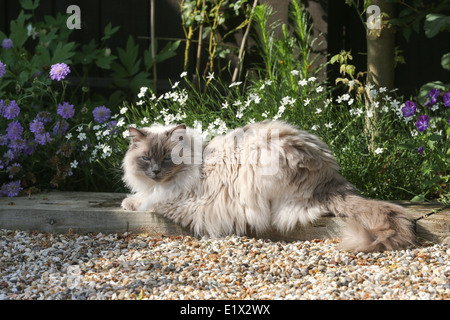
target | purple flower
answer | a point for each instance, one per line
(101, 114)
(446, 99)
(3, 140)
(61, 128)
(448, 120)
(11, 189)
(59, 71)
(44, 117)
(432, 97)
(36, 126)
(11, 111)
(2, 69)
(14, 130)
(17, 145)
(42, 138)
(7, 43)
(422, 123)
(66, 110)
(409, 109)
(420, 150)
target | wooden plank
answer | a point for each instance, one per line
(86, 212)
(59, 212)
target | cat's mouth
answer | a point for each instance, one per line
(154, 177)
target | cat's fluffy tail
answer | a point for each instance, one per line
(373, 225)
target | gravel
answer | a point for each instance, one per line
(42, 266)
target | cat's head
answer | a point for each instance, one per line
(155, 154)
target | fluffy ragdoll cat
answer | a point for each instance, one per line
(267, 175)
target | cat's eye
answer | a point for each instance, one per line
(145, 158)
(168, 157)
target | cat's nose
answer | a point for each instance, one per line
(156, 171)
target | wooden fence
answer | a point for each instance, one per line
(339, 24)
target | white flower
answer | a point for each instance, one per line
(69, 136)
(394, 104)
(225, 105)
(234, 84)
(80, 128)
(144, 121)
(210, 76)
(251, 120)
(74, 164)
(356, 112)
(318, 110)
(264, 114)
(268, 82)
(345, 97)
(85, 147)
(370, 113)
(82, 136)
(315, 127)
(255, 98)
(312, 79)
(319, 89)
(175, 84)
(295, 72)
(383, 89)
(121, 122)
(303, 82)
(142, 93)
(351, 83)
(126, 134)
(414, 133)
(287, 100)
(140, 103)
(329, 125)
(239, 114)
(350, 102)
(379, 151)
(307, 101)
(183, 74)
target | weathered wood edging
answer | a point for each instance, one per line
(87, 212)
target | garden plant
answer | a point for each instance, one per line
(54, 135)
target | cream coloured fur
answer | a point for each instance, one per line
(236, 190)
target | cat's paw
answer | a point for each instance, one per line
(130, 204)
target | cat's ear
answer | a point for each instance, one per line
(136, 135)
(180, 127)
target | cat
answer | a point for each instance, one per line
(264, 176)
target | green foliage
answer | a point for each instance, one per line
(388, 165)
(45, 158)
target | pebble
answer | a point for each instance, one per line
(43, 266)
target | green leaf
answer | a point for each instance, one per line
(29, 4)
(445, 61)
(19, 33)
(129, 56)
(419, 198)
(434, 23)
(105, 61)
(63, 53)
(109, 31)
